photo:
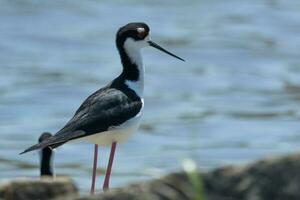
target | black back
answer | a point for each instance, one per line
(109, 106)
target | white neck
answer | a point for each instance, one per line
(133, 50)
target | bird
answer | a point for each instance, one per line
(46, 157)
(113, 113)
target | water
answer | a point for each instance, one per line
(235, 100)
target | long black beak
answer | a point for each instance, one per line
(153, 44)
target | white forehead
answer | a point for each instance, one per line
(140, 30)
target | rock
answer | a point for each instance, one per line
(172, 187)
(274, 179)
(268, 179)
(34, 189)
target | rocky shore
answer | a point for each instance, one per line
(267, 179)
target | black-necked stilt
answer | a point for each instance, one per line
(46, 157)
(111, 114)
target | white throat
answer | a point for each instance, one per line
(133, 50)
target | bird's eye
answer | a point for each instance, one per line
(141, 32)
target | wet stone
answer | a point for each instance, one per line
(35, 189)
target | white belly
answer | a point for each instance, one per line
(117, 134)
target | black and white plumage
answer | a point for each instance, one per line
(112, 114)
(101, 113)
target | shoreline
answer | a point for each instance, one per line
(269, 178)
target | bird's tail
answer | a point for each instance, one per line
(50, 142)
(55, 141)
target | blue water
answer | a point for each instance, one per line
(236, 98)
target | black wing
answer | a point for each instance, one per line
(106, 107)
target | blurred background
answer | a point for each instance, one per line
(234, 100)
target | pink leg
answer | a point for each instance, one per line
(94, 169)
(110, 162)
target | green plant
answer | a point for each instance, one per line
(194, 177)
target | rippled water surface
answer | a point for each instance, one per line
(236, 99)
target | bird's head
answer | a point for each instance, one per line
(134, 36)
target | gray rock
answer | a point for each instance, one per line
(37, 189)
(274, 179)
(268, 179)
(173, 187)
